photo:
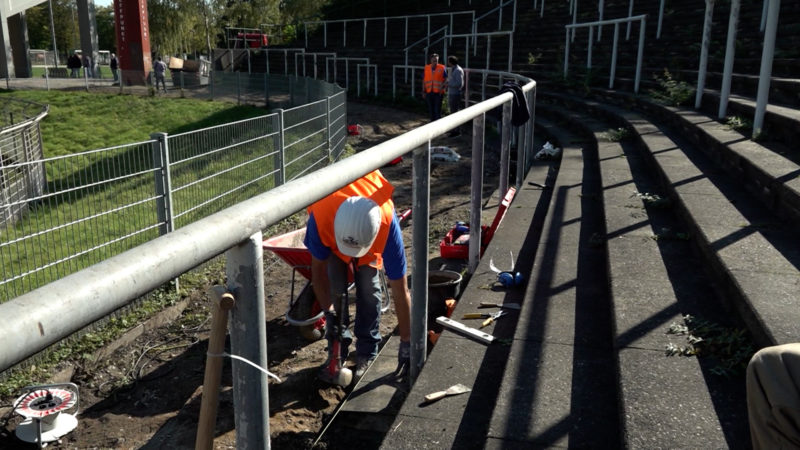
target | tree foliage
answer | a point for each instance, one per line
(176, 26)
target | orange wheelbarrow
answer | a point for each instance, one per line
(304, 310)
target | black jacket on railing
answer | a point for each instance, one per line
(519, 105)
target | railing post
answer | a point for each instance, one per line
(639, 57)
(730, 50)
(505, 151)
(614, 57)
(767, 56)
(238, 88)
(566, 53)
(701, 72)
(522, 145)
(266, 90)
(419, 241)
(248, 329)
(211, 82)
(292, 81)
(478, 124)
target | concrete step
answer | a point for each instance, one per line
(772, 176)
(549, 381)
(752, 253)
(672, 402)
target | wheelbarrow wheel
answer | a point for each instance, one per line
(310, 333)
(304, 313)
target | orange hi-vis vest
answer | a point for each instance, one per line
(373, 186)
(434, 79)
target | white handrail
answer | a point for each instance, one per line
(641, 18)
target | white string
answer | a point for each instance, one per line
(248, 362)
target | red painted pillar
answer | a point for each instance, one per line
(133, 40)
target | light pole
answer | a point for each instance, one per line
(53, 32)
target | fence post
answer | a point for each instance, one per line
(248, 329)
(478, 124)
(163, 185)
(328, 127)
(266, 90)
(279, 163)
(419, 238)
(211, 82)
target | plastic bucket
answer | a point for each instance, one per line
(442, 284)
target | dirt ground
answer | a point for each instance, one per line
(147, 394)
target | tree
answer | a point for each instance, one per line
(106, 31)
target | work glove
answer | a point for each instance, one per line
(403, 360)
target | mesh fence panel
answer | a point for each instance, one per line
(63, 214)
(94, 205)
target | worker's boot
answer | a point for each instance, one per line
(333, 371)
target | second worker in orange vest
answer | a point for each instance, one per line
(433, 85)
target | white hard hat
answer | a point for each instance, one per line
(356, 226)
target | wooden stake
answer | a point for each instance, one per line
(222, 302)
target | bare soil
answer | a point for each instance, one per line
(147, 393)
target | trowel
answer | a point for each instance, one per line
(452, 390)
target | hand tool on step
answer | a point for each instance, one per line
(490, 317)
(452, 390)
(500, 305)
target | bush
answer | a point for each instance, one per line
(672, 92)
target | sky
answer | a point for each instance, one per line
(102, 2)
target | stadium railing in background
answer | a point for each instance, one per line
(76, 210)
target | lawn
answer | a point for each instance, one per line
(98, 204)
(80, 121)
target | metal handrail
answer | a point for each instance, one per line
(385, 20)
(616, 22)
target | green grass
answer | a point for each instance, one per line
(80, 121)
(109, 217)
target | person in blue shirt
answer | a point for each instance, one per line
(356, 227)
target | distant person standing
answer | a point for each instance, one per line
(433, 86)
(455, 86)
(114, 66)
(87, 66)
(159, 69)
(74, 64)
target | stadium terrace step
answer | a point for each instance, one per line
(655, 281)
(549, 381)
(771, 176)
(752, 253)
